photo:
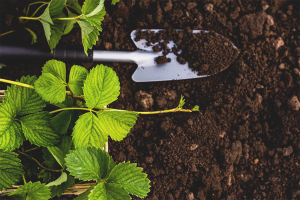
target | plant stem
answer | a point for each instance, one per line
(37, 10)
(16, 83)
(69, 18)
(154, 112)
(53, 170)
(71, 108)
(7, 32)
(30, 18)
(24, 180)
(34, 148)
(43, 2)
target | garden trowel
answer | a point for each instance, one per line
(147, 71)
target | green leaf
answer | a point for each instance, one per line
(10, 169)
(181, 102)
(85, 195)
(88, 33)
(196, 108)
(31, 191)
(88, 163)
(59, 181)
(77, 76)
(74, 5)
(66, 144)
(95, 20)
(58, 155)
(11, 135)
(113, 2)
(45, 175)
(69, 23)
(24, 100)
(56, 68)
(37, 129)
(2, 65)
(61, 122)
(50, 160)
(117, 124)
(51, 88)
(47, 29)
(92, 7)
(108, 191)
(131, 178)
(57, 30)
(56, 7)
(88, 131)
(59, 189)
(101, 87)
(45, 17)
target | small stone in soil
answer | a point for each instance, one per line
(287, 151)
(294, 103)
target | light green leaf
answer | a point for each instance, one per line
(47, 29)
(57, 30)
(51, 88)
(24, 100)
(56, 68)
(117, 124)
(61, 122)
(77, 76)
(96, 19)
(11, 135)
(101, 87)
(59, 189)
(89, 132)
(31, 191)
(59, 180)
(108, 191)
(92, 7)
(85, 195)
(2, 65)
(131, 178)
(45, 17)
(181, 102)
(58, 155)
(89, 40)
(37, 129)
(10, 169)
(196, 108)
(113, 2)
(88, 163)
(33, 35)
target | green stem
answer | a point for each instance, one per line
(154, 112)
(71, 108)
(16, 83)
(30, 18)
(53, 170)
(69, 18)
(38, 9)
(24, 180)
(43, 2)
(34, 148)
(7, 33)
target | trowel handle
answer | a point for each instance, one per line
(34, 53)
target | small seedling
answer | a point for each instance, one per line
(80, 107)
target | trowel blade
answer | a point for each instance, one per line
(162, 72)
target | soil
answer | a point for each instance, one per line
(244, 143)
(207, 53)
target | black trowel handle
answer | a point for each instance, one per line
(34, 53)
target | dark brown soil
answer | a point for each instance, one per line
(207, 53)
(244, 143)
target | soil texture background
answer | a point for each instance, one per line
(244, 143)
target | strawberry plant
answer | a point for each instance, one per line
(60, 16)
(70, 133)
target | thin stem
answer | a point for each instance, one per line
(30, 18)
(7, 33)
(37, 10)
(34, 148)
(53, 170)
(43, 2)
(154, 112)
(24, 180)
(71, 108)
(16, 83)
(69, 18)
